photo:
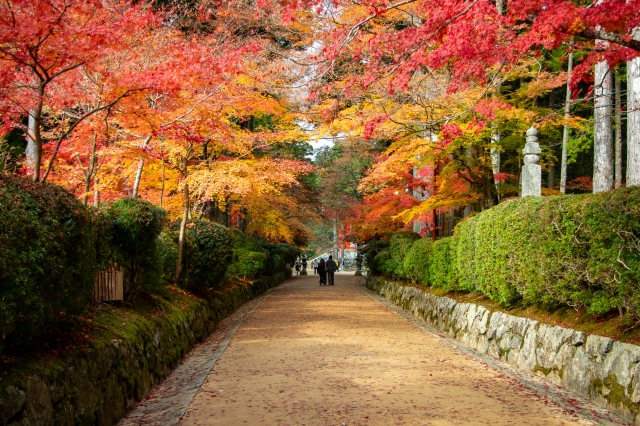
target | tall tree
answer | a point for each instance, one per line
(633, 118)
(565, 126)
(603, 129)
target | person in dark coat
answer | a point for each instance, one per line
(322, 271)
(331, 269)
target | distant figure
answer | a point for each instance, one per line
(298, 264)
(315, 266)
(322, 271)
(331, 269)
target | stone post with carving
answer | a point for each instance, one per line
(531, 171)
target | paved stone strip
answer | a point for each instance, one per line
(167, 403)
(568, 401)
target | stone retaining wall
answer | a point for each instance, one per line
(98, 386)
(598, 368)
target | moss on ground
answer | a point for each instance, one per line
(102, 324)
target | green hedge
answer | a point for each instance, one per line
(442, 268)
(417, 261)
(128, 232)
(371, 250)
(278, 257)
(400, 245)
(206, 253)
(576, 250)
(248, 258)
(47, 257)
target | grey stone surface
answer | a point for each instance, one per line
(12, 401)
(595, 367)
(531, 171)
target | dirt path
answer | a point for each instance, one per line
(315, 355)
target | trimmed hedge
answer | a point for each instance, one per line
(248, 258)
(206, 254)
(47, 257)
(575, 250)
(417, 262)
(371, 250)
(128, 231)
(400, 245)
(278, 257)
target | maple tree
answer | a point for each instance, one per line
(48, 52)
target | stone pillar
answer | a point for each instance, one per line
(531, 171)
(304, 265)
(358, 265)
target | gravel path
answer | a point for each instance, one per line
(316, 355)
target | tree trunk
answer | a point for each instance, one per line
(551, 181)
(618, 129)
(30, 151)
(87, 186)
(96, 194)
(603, 132)
(633, 119)
(37, 136)
(162, 181)
(88, 177)
(342, 242)
(335, 237)
(565, 130)
(495, 154)
(183, 226)
(136, 182)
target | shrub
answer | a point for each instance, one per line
(47, 256)
(167, 247)
(278, 256)
(248, 259)
(578, 250)
(206, 254)
(383, 262)
(416, 262)
(442, 264)
(370, 251)
(401, 242)
(128, 231)
(465, 257)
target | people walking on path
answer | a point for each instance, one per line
(331, 269)
(298, 264)
(322, 271)
(315, 266)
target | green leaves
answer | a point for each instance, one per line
(47, 257)
(577, 251)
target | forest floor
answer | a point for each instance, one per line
(313, 355)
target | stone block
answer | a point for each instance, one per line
(12, 401)
(598, 347)
(577, 375)
(39, 409)
(531, 180)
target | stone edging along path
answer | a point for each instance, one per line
(597, 368)
(167, 403)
